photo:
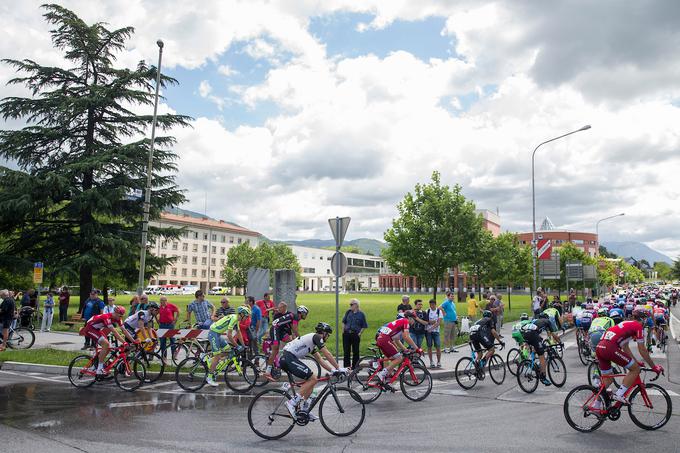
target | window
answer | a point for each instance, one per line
(205, 236)
(231, 239)
(175, 245)
(184, 259)
(213, 261)
(214, 237)
(308, 270)
(194, 234)
(313, 256)
(321, 257)
(184, 272)
(212, 274)
(163, 255)
(239, 240)
(305, 255)
(194, 260)
(185, 234)
(164, 244)
(204, 260)
(223, 238)
(222, 262)
(247, 241)
(204, 273)
(173, 271)
(194, 248)
(214, 249)
(578, 241)
(185, 247)
(205, 249)
(222, 250)
(194, 272)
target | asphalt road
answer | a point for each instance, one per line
(41, 412)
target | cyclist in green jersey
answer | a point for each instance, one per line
(220, 346)
(554, 317)
(516, 329)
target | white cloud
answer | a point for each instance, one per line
(226, 70)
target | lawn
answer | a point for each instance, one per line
(379, 308)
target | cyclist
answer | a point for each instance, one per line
(482, 334)
(141, 319)
(516, 329)
(598, 327)
(284, 328)
(220, 346)
(554, 317)
(660, 313)
(98, 328)
(613, 347)
(531, 332)
(389, 342)
(312, 343)
(619, 309)
(629, 307)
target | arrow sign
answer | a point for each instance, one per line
(339, 227)
(544, 249)
(339, 264)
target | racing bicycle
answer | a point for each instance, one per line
(469, 370)
(239, 373)
(528, 371)
(128, 372)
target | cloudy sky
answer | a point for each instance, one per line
(306, 109)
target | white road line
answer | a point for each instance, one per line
(159, 384)
(138, 403)
(60, 381)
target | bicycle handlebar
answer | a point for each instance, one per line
(655, 377)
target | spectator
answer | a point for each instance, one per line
(203, 309)
(33, 299)
(537, 302)
(450, 323)
(255, 322)
(143, 302)
(418, 328)
(472, 308)
(501, 313)
(168, 314)
(134, 303)
(266, 308)
(404, 305)
(494, 307)
(93, 306)
(7, 314)
(110, 306)
(224, 309)
(353, 323)
(48, 312)
(572, 299)
(26, 299)
(434, 316)
(64, 300)
(557, 303)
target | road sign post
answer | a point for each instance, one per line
(339, 227)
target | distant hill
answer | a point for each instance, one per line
(637, 250)
(373, 246)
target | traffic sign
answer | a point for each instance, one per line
(339, 264)
(339, 227)
(550, 269)
(544, 249)
(574, 270)
(37, 272)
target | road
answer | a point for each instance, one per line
(43, 412)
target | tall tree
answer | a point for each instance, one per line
(433, 233)
(82, 151)
(675, 270)
(511, 262)
(239, 260)
(663, 270)
(265, 256)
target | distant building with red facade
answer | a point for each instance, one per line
(588, 242)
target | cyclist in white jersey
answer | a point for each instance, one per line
(141, 318)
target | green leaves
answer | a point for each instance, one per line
(265, 256)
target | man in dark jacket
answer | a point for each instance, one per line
(7, 315)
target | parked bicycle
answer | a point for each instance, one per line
(239, 373)
(470, 369)
(19, 337)
(341, 409)
(128, 372)
(587, 407)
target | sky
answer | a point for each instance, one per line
(306, 110)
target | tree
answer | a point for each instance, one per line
(277, 256)
(663, 270)
(82, 151)
(239, 260)
(483, 259)
(511, 262)
(606, 253)
(434, 232)
(675, 270)
(265, 256)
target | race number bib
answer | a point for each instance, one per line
(474, 329)
(609, 335)
(385, 330)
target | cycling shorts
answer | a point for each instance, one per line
(96, 334)
(595, 338)
(291, 364)
(481, 340)
(608, 352)
(583, 323)
(649, 322)
(217, 342)
(534, 339)
(385, 344)
(660, 320)
(277, 335)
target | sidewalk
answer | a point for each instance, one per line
(67, 341)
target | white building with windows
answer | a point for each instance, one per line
(362, 270)
(201, 250)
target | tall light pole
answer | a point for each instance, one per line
(533, 199)
(597, 234)
(149, 170)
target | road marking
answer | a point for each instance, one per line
(139, 403)
(451, 392)
(59, 381)
(159, 384)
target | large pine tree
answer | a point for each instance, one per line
(84, 147)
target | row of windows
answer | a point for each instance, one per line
(213, 237)
(194, 247)
(194, 272)
(194, 260)
(562, 241)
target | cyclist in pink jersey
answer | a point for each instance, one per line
(389, 339)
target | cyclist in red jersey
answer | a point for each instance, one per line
(613, 347)
(389, 340)
(98, 328)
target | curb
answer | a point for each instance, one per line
(34, 368)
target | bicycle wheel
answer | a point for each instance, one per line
(466, 374)
(364, 380)
(341, 411)
(180, 354)
(131, 377)
(268, 416)
(654, 412)
(584, 353)
(81, 371)
(527, 376)
(260, 363)
(416, 383)
(497, 369)
(557, 371)
(512, 360)
(21, 338)
(241, 376)
(191, 374)
(154, 364)
(594, 370)
(369, 363)
(580, 408)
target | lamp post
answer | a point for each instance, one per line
(533, 198)
(149, 170)
(597, 234)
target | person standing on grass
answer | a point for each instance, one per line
(48, 312)
(203, 309)
(168, 314)
(224, 310)
(255, 323)
(536, 302)
(93, 306)
(64, 299)
(134, 303)
(472, 308)
(434, 317)
(110, 307)
(7, 314)
(450, 323)
(418, 329)
(404, 305)
(353, 323)
(266, 308)
(494, 307)
(501, 312)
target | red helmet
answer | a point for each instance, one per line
(119, 310)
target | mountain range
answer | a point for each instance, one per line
(637, 250)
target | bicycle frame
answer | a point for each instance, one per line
(118, 355)
(406, 363)
(331, 382)
(605, 410)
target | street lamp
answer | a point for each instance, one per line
(597, 234)
(533, 198)
(149, 170)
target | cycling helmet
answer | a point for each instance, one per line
(543, 315)
(640, 313)
(323, 327)
(303, 310)
(602, 312)
(119, 310)
(589, 306)
(153, 305)
(616, 317)
(409, 314)
(400, 316)
(243, 310)
(486, 314)
(523, 317)
(583, 305)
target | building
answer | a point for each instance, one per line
(201, 250)
(491, 221)
(363, 271)
(588, 242)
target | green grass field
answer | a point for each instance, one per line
(378, 307)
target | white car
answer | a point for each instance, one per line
(189, 289)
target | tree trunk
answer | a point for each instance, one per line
(434, 291)
(85, 285)
(509, 292)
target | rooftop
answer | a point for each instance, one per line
(207, 222)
